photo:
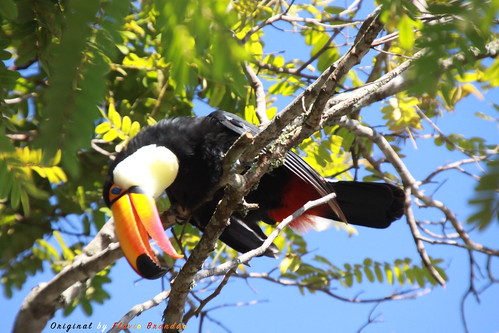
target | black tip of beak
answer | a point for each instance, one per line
(148, 268)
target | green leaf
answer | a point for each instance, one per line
(358, 274)
(486, 198)
(348, 278)
(102, 128)
(419, 276)
(348, 275)
(9, 9)
(369, 273)
(87, 307)
(7, 181)
(406, 33)
(388, 273)
(6, 145)
(110, 135)
(378, 272)
(285, 263)
(217, 94)
(399, 273)
(25, 203)
(290, 263)
(71, 306)
(15, 195)
(334, 10)
(408, 271)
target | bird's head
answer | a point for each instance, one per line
(130, 191)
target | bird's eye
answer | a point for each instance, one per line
(115, 189)
(115, 192)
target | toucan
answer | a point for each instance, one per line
(183, 156)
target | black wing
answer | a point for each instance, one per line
(293, 162)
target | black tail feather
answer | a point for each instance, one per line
(374, 205)
(245, 236)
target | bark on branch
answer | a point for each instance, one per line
(42, 302)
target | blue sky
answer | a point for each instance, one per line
(254, 305)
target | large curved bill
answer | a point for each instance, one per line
(136, 216)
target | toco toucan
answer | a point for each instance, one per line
(183, 156)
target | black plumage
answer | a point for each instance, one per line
(200, 143)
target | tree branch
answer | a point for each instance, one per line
(327, 291)
(217, 291)
(191, 271)
(260, 100)
(137, 310)
(316, 94)
(409, 181)
(41, 303)
(222, 269)
(246, 257)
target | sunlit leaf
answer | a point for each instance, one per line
(388, 273)
(406, 33)
(110, 135)
(102, 128)
(134, 129)
(126, 125)
(114, 116)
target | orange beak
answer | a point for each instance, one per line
(136, 218)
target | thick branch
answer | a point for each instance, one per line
(316, 94)
(389, 84)
(366, 35)
(41, 303)
(236, 188)
(394, 82)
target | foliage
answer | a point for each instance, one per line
(78, 79)
(486, 197)
(312, 277)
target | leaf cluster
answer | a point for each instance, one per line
(320, 272)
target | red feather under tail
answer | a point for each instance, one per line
(307, 222)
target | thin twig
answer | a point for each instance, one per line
(137, 310)
(243, 258)
(286, 282)
(212, 296)
(372, 319)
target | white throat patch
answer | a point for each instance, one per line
(151, 167)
